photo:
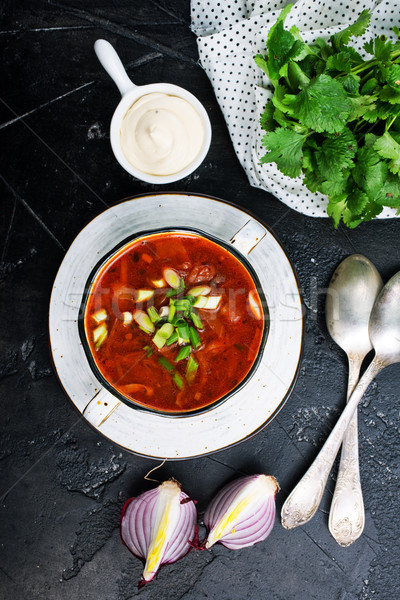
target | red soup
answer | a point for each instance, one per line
(174, 322)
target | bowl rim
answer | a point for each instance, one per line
(89, 355)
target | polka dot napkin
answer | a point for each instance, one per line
(230, 33)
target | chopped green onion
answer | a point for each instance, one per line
(172, 278)
(178, 380)
(173, 292)
(201, 290)
(100, 315)
(145, 330)
(183, 304)
(191, 299)
(212, 302)
(183, 353)
(163, 312)
(162, 335)
(158, 283)
(149, 351)
(172, 339)
(196, 320)
(194, 338)
(99, 331)
(200, 302)
(167, 365)
(100, 340)
(171, 312)
(127, 318)
(143, 295)
(153, 314)
(254, 304)
(99, 335)
(179, 322)
(191, 369)
(166, 330)
(183, 333)
(144, 321)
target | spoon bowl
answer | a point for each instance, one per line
(384, 324)
(351, 295)
(130, 94)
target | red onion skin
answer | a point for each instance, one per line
(244, 535)
(177, 555)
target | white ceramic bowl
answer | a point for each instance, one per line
(244, 413)
(131, 93)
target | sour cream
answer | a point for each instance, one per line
(161, 134)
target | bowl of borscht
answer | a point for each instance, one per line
(173, 321)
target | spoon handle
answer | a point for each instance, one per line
(113, 65)
(303, 502)
(346, 517)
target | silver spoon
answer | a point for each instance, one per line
(351, 295)
(384, 333)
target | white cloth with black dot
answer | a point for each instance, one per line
(230, 33)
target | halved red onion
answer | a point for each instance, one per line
(242, 513)
(159, 527)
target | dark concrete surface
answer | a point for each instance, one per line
(62, 485)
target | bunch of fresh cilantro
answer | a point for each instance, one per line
(334, 117)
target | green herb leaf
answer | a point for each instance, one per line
(335, 210)
(360, 106)
(322, 106)
(336, 154)
(342, 38)
(285, 148)
(389, 194)
(357, 201)
(350, 83)
(392, 76)
(337, 189)
(387, 147)
(370, 171)
(261, 62)
(325, 49)
(267, 121)
(297, 77)
(382, 49)
(282, 45)
(388, 94)
(343, 61)
(280, 95)
(369, 86)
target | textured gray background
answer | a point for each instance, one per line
(62, 485)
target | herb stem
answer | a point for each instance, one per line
(372, 63)
(390, 123)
